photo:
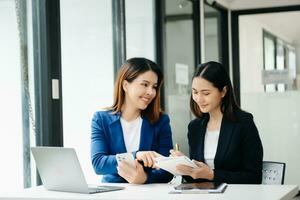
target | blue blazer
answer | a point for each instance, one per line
(107, 141)
(239, 152)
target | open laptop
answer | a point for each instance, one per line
(60, 170)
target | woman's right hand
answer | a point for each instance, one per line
(176, 153)
(133, 174)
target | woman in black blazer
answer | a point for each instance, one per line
(223, 140)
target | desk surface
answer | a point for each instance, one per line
(161, 191)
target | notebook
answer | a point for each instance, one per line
(60, 170)
(169, 163)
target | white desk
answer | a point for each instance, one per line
(160, 191)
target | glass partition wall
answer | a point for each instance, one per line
(271, 57)
(182, 55)
(179, 67)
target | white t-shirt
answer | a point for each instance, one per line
(132, 133)
(210, 147)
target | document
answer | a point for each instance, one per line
(169, 163)
(198, 188)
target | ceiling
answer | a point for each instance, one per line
(251, 4)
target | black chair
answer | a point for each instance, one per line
(273, 173)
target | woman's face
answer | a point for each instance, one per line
(207, 97)
(141, 91)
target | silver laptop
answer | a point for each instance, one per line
(60, 170)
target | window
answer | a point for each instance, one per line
(179, 65)
(11, 169)
(140, 29)
(212, 34)
(279, 63)
(216, 34)
(87, 71)
(269, 58)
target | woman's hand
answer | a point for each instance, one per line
(176, 153)
(134, 175)
(148, 157)
(202, 171)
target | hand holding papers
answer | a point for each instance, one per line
(169, 163)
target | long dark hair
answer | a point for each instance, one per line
(215, 73)
(129, 71)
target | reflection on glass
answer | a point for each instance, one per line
(140, 28)
(291, 66)
(211, 34)
(292, 63)
(178, 72)
(269, 64)
(280, 63)
(175, 7)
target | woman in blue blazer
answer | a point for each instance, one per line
(223, 140)
(135, 124)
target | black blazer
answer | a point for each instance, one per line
(239, 152)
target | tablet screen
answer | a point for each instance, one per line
(201, 186)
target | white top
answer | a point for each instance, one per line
(210, 147)
(132, 133)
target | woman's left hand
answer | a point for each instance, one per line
(202, 171)
(135, 175)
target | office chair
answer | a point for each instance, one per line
(273, 173)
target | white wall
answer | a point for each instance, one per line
(251, 54)
(277, 115)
